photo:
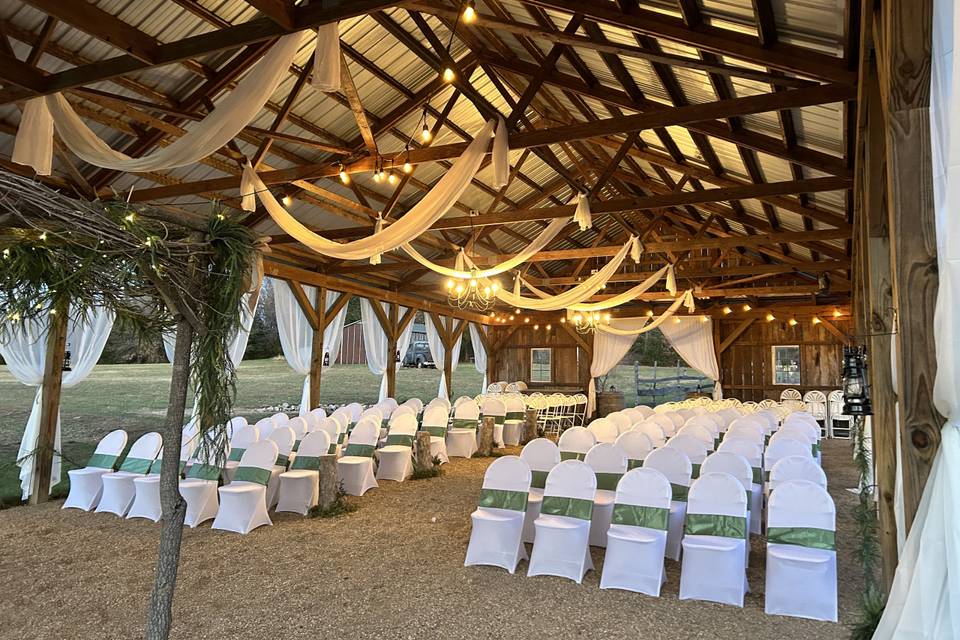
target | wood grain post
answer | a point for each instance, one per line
(423, 457)
(391, 372)
(529, 426)
(316, 354)
(486, 436)
(329, 480)
(50, 406)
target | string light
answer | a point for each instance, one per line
(747, 307)
(526, 320)
(590, 322)
(392, 178)
(792, 322)
(287, 200)
(536, 327)
(448, 75)
(816, 320)
(727, 311)
(649, 313)
(425, 133)
(836, 313)
(344, 176)
(469, 13)
(770, 317)
(549, 327)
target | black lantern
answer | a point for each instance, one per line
(856, 391)
(66, 360)
(398, 358)
(326, 358)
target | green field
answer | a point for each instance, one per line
(134, 397)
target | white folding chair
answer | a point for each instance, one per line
(801, 552)
(299, 427)
(435, 423)
(790, 395)
(603, 430)
(496, 408)
(714, 541)
(563, 527)
(541, 455)
(356, 465)
(462, 434)
(243, 502)
(575, 442)
(675, 465)
(300, 486)
(636, 445)
(332, 428)
(841, 424)
(497, 532)
(652, 430)
(752, 453)
(284, 438)
(638, 533)
(620, 419)
(146, 499)
(695, 448)
(515, 418)
(738, 467)
(86, 484)
(265, 427)
(797, 468)
(395, 460)
(609, 463)
(118, 487)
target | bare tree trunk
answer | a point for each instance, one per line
(159, 610)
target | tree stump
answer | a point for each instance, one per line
(486, 436)
(529, 426)
(423, 459)
(329, 480)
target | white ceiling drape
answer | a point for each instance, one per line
(375, 342)
(439, 352)
(692, 338)
(608, 350)
(479, 353)
(24, 349)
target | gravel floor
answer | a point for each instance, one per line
(392, 569)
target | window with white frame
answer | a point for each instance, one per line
(541, 360)
(786, 364)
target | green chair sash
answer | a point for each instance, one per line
(310, 463)
(496, 419)
(158, 463)
(235, 455)
(569, 507)
(634, 464)
(332, 449)
(679, 492)
(252, 474)
(708, 524)
(539, 479)
(464, 423)
(361, 450)
(637, 516)
(435, 432)
(515, 416)
(341, 437)
(757, 475)
(695, 472)
(503, 499)
(608, 481)
(350, 426)
(296, 445)
(282, 460)
(716, 442)
(400, 439)
(102, 461)
(803, 537)
(749, 499)
(815, 448)
(204, 471)
(136, 465)
(572, 455)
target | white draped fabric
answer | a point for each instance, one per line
(375, 342)
(608, 350)
(685, 300)
(439, 352)
(924, 601)
(24, 349)
(34, 143)
(501, 158)
(692, 338)
(613, 301)
(421, 216)
(326, 59)
(296, 334)
(479, 353)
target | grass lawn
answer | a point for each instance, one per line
(134, 397)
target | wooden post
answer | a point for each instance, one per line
(486, 436)
(329, 480)
(50, 407)
(423, 459)
(316, 354)
(529, 426)
(448, 369)
(391, 372)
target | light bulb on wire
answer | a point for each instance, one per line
(344, 176)
(449, 75)
(469, 12)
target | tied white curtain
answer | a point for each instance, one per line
(439, 352)
(692, 338)
(34, 143)
(924, 601)
(296, 334)
(479, 353)
(375, 342)
(24, 349)
(608, 350)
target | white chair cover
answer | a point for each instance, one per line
(516, 416)
(637, 445)
(243, 502)
(300, 486)
(752, 453)
(199, 488)
(86, 484)
(435, 421)
(496, 535)
(146, 499)
(541, 455)
(609, 463)
(496, 408)
(118, 488)
(395, 460)
(676, 466)
(604, 430)
(284, 438)
(797, 468)
(356, 465)
(462, 435)
(575, 442)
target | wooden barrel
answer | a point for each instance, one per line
(608, 402)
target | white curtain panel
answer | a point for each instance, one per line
(421, 216)
(326, 58)
(34, 143)
(24, 349)
(608, 350)
(613, 301)
(439, 352)
(924, 601)
(296, 334)
(375, 341)
(479, 353)
(692, 338)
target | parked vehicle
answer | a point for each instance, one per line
(418, 355)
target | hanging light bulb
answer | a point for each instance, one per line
(450, 284)
(548, 327)
(425, 134)
(816, 320)
(392, 178)
(511, 318)
(746, 307)
(836, 313)
(526, 320)
(536, 327)
(792, 322)
(407, 167)
(770, 317)
(448, 75)
(727, 311)
(287, 200)
(377, 176)
(649, 313)
(563, 320)
(344, 176)
(469, 13)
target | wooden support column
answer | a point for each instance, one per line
(316, 354)
(50, 407)
(392, 349)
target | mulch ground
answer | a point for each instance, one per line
(392, 569)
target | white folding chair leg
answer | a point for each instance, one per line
(243, 508)
(534, 500)
(118, 493)
(394, 465)
(299, 490)
(356, 474)
(561, 549)
(678, 514)
(801, 582)
(201, 499)
(713, 569)
(86, 487)
(634, 560)
(495, 539)
(146, 501)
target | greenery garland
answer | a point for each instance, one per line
(868, 553)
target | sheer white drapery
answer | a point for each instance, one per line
(34, 143)
(924, 601)
(24, 349)
(582, 215)
(684, 300)
(421, 216)
(375, 341)
(613, 301)
(326, 58)
(296, 334)
(439, 352)
(692, 338)
(608, 351)
(479, 352)
(501, 157)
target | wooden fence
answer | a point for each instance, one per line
(662, 387)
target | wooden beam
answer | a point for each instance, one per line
(306, 306)
(316, 352)
(279, 11)
(736, 333)
(359, 114)
(50, 407)
(392, 353)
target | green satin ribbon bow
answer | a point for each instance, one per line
(707, 524)
(502, 499)
(569, 507)
(435, 432)
(136, 465)
(608, 481)
(309, 463)
(252, 474)
(361, 450)
(803, 537)
(102, 461)
(515, 416)
(204, 471)
(401, 439)
(637, 516)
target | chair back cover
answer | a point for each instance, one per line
(405, 422)
(466, 410)
(257, 462)
(367, 432)
(330, 427)
(314, 445)
(783, 448)
(506, 484)
(280, 419)
(342, 416)
(541, 455)
(299, 427)
(571, 479)
(644, 487)
(652, 429)
(319, 412)
(143, 453)
(575, 442)
(603, 430)
(704, 421)
(373, 413)
(435, 416)
(769, 417)
(801, 504)
(442, 401)
(745, 430)
(697, 431)
(354, 409)
(414, 403)
(621, 421)
(718, 494)
(665, 423)
(732, 463)
(516, 407)
(729, 415)
(748, 449)
(675, 418)
(811, 431)
(797, 468)
(609, 462)
(265, 427)
(284, 439)
(695, 448)
(403, 431)
(403, 409)
(495, 408)
(636, 445)
(673, 463)
(644, 409)
(243, 438)
(235, 424)
(461, 400)
(791, 434)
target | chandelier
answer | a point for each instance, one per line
(590, 322)
(471, 294)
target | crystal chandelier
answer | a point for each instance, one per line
(590, 322)
(470, 293)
